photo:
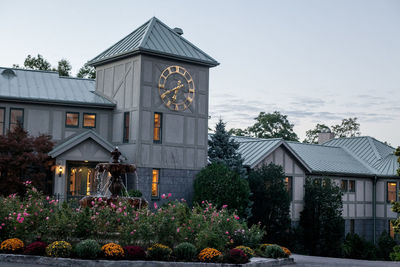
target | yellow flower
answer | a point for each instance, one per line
(209, 254)
(248, 251)
(11, 245)
(112, 250)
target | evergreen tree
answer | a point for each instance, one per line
(87, 72)
(223, 149)
(271, 203)
(64, 68)
(321, 221)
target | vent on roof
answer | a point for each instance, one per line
(8, 73)
(178, 31)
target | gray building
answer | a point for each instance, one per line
(363, 167)
(150, 99)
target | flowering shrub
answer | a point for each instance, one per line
(185, 251)
(209, 255)
(88, 249)
(248, 251)
(59, 249)
(159, 252)
(237, 256)
(135, 253)
(112, 250)
(12, 245)
(286, 250)
(36, 248)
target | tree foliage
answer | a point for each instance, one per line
(273, 125)
(22, 158)
(238, 132)
(64, 68)
(219, 185)
(271, 201)
(321, 221)
(223, 149)
(36, 63)
(347, 128)
(87, 71)
(396, 205)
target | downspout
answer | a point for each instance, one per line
(374, 205)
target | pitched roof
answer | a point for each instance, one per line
(48, 86)
(155, 38)
(379, 156)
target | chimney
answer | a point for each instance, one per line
(178, 31)
(324, 136)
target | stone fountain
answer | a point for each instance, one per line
(110, 188)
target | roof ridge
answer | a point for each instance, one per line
(373, 138)
(370, 168)
(374, 148)
(44, 71)
(77, 78)
(310, 144)
(149, 29)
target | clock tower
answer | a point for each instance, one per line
(159, 82)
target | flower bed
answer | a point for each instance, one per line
(172, 232)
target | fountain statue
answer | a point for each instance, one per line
(110, 185)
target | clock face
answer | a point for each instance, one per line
(176, 88)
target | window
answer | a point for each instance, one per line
(352, 186)
(89, 120)
(155, 183)
(157, 127)
(343, 185)
(288, 185)
(2, 119)
(391, 229)
(391, 191)
(126, 128)
(348, 186)
(351, 226)
(16, 116)
(72, 119)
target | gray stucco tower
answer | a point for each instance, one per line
(166, 137)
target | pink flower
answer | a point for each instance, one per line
(227, 232)
(236, 217)
(131, 233)
(100, 199)
(92, 203)
(202, 202)
(169, 194)
(227, 220)
(163, 196)
(224, 206)
(177, 230)
(47, 198)
(155, 205)
(3, 224)
(173, 218)
(47, 218)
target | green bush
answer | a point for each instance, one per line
(356, 247)
(159, 252)
(88, 249)
(395, 255)
(219, 185)
(59, 249)
(185, 251)
(135, 193)
(275, 252)
(385, 245)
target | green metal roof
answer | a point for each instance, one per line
(48, 87)
(377, 155)
(156, 38)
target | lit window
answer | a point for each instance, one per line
(16, 117)
(352, 186)
(288, 185)
(391, 191)
(72, 119)
(391, 230)
(89, 120)
(126, 127)
(2, 119)
(155, 182)
(343, 185)
(157, 127)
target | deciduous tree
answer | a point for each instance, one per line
(348, 128)
(312, 135)
(64, 68)
(87, 71)
(36, 63)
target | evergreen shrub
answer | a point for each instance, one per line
(185, 251)
(275, 252)
(88, 249)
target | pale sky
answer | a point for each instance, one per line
(315, 61)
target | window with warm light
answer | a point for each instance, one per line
(89, 120)
(391, 191)
(352, 186)
(2, 120)
(155, 183)
(157, 127)
(72, 119)
(343, 185)
(289, 185)
(16, 116)
(391, 230)
(126, 127)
